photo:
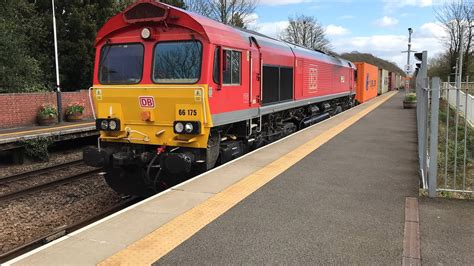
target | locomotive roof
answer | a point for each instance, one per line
(216, 32)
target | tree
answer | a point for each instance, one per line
(176, 3)
(231, 12)
(19, 69)
(373, 60)
(453, 15)
(77, 24)
(26, 42)
(306, 31)
(437, 66)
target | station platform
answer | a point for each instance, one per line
(10, 138)
(335, 193)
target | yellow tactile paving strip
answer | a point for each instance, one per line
(164, 239)
(52, 129)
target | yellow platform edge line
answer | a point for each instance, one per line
(167, 237)
(26, 132)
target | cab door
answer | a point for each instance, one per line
(255, 69)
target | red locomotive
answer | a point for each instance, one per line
(176, 93)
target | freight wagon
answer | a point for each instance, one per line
(392, 81)
(399, 81)
(367, 81)
(383, 81)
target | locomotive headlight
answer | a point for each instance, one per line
(112, 125)
(179, 127)
(104, 125)
(188, 128)
(108, 124)
(146, 33)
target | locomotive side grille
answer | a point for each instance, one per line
(145, 12)
(277, 84)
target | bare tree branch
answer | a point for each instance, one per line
(231, 12)
(453, 15)
(306, 31)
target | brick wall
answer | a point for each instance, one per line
(21, 109)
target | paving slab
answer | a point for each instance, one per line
(447, 232)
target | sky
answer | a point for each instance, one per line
(367, 26)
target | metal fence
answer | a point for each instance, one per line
(457, 98)
(457, 139)
(445, 134)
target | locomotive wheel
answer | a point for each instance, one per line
(128, 181)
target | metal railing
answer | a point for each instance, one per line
(445, 134)
(457, 142)
(458, 98)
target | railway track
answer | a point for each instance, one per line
(46, 238)
(45, 185)
(41, 171)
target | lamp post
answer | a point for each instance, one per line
(58, 85)
(408, 67)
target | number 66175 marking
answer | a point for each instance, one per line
(189, 112)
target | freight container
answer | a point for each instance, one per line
(383, 81)
(399, 81)
(367, 81)
(392, 81)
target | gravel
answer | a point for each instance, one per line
(35, 179)
(54, 159)
(25, 219)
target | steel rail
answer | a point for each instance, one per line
(47, 185)
(41, 171)
(46, 238)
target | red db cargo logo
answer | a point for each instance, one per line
(147, 101)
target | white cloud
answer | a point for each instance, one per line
(334, 30)
(432, 29)
(276, 28)
(389, 47)
(386, 21)
(391, 4)
(272, 29)
(280, 2)
(251, 19)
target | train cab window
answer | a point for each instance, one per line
(217, 66)
(231, 69)
(177, 62)
(121, 64)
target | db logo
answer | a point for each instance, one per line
(147, 101)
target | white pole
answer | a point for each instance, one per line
(58, 85)
(461, 53)
(56, 48)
